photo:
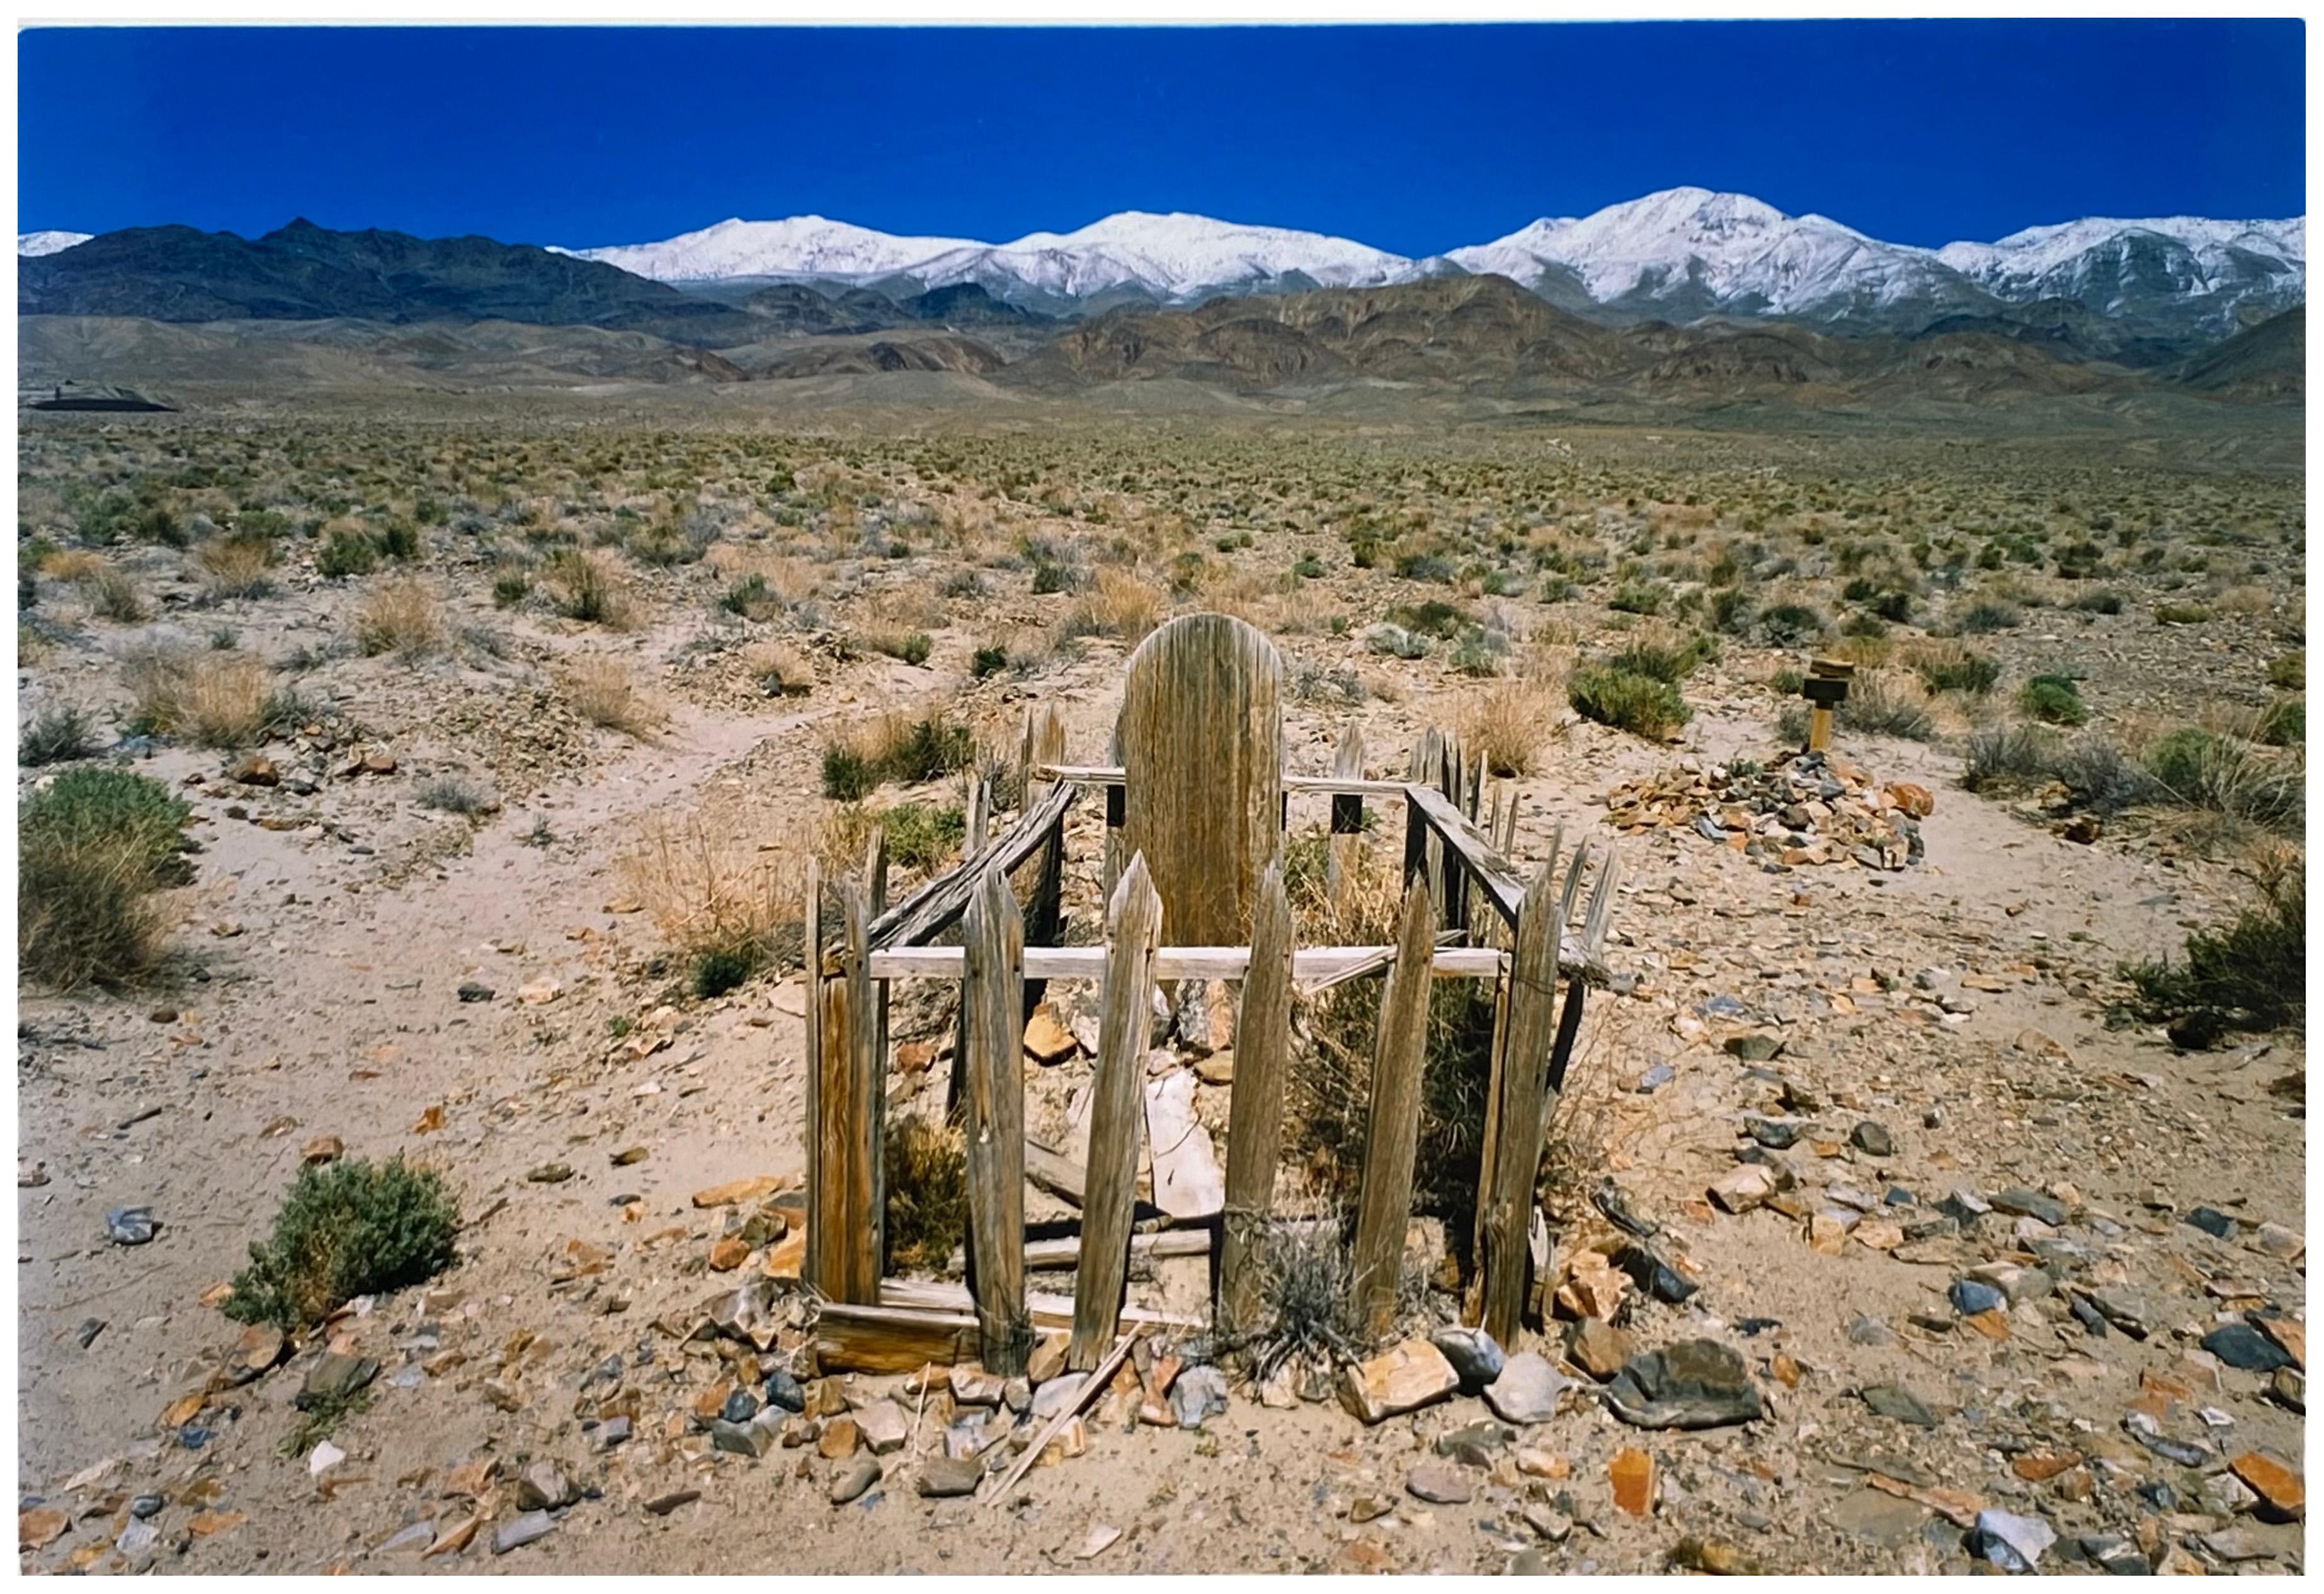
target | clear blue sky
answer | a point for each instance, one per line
(1409, 139)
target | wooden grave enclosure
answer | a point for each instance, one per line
(1207, 856)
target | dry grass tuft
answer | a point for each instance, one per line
(725, 902)
(214, 699)
(926, 1166)
(237, 566)
(780, 670)
(1118, 604)
(603, 692)
(1507, 723)
(399, 617)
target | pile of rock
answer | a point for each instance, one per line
(1809, 809)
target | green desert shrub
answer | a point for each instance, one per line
(988, 661)
(1628, 701)
(1959, 671)
(2198, 769)
(2251, 975)
(346, 553)
(1791, 626)
(57, 735)
(2288, 672)
(912, 646)
(921, 835)
(1984, 619)
(347, 1229)
(2285, 723)
(90, 850)
(2054, 699)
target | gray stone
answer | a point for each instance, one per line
(335, 1377)
(1970, 1296)
(885, 1426)
(1872, 1140)
(2021, 1203)
(1885, 1519)
(1694, 1383)
(542, 1487)
(2021, 1285)
(1895, 1401)
(944, 1478)
(138, 1539)
(783, 1390)
(1527, 1390)
(612, 1431)
(753, 1439)
(746, 1314)
(520, 1531)
(2179, 1453)
(2133, 1313)
(1870, 1331)
(1753, 1047)
(741, 1405)
(1476, 1358)
(1552, 1525)
(1438, 1484)
(854, 1479)
(2025, 1538)
(1472, 1444)
(145, 1505)
(2115, 1554)
(1057, 1395)
(131, 1225)
(2289, 1389)
(410, 1540)
(1196, 1394)
(2246, 1349)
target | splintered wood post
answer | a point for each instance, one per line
(1347, 814)
(1262, 1038)
(811, 988)
(1117, 1112)
(1522, 1108)
(1392, 1136)
(845, 1204)
(992, 1005)
(1201, 738)
(875, 904)
(1045, 914)
(980, 804)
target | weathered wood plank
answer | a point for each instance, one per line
(937, 906)
(850, 1338)
(1314, 967)
(1065, 1414)
(1133, 930)
(1200, 735)
(1521, 1109)
(1262, 1047)
(1347, 764)
(1049, 1309)
(845, 1220)
(1320, 785)
(811, 990)
(1391, 1139)
(1474, 851)
(992, 1005)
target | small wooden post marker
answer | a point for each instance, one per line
(1826, 689)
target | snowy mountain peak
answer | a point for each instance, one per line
(796, 246)
(48, 243)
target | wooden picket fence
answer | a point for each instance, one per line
(1468, 913)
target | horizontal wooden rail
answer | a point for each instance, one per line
(1335, 785)
(1503, 885)
(935, 906)
(1309, 965)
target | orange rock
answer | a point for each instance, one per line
(2284, 1490)
(430, 1121)
(323, 1148)
(2041, 1465)
(205, 1524)
(913, 1057)
(788, 1255)
(1632, 1473)
(1786, 1370)
(1918, 801)
(2290, 1336)
(839, 1439)
(1993, 1324)
(183, 1410)
(1046, 1039)
(43, 1526)
(729, 1253)
(739, 1190)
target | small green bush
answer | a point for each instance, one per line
(1732, 611)
(2200, 769)
(2102, 602)
(1639, 598)
(718, 969)
(510, 588)
(988, 661)
(2288, 672)
(2003, 756)
(928, 749)
(1984, 619)
(913, 647)
(2181, 613)
(1628, 701)
(2053, 699)
(921, 835)
(752, 598)
(1665, 661)
(2285, 723)
(347, 1229)
(1435, 618)
(847, 776)
(2252, 975)
(57, 735)
(1972, 673)
(1791, 625)
(346, 553)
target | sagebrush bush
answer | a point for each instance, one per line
(58, 736)
(1791, 625)
(1628, 701)
(346, 553)
(90, 848)
(399, 618)
(213, 699)
(1888, 703)
(922, 835)
(2005, 755)
(2053, 699)
(238, 564)
(2251, 975)
(2198, 769)
(347, 1229)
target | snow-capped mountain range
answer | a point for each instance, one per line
(1682, 253)
(48, 243)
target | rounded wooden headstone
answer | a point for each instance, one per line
(1201, 744)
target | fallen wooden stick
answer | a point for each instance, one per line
(1102, 1375)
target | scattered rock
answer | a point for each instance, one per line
(1047, 1041)
(1526, 1391)
(2012, 1543)
(1872, 1140)
(322, 1149)
(520, 1531)
(1477, 1360)
(1438, 1484)
(1970, 1296)
(2021, 1203)
(1402, 1378)
(885, 1426)
(944, 1477)
(1694, 1383)
(1744, 1187)
(1198, 1392)
(473, 992)
(1597, 1347)
(335, 1376)
(2246, 1349)
(738, 1191)
(2282, 1493)
(1899, 1403)
(854, 1479)
(131, 1225)
(663, 1505)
